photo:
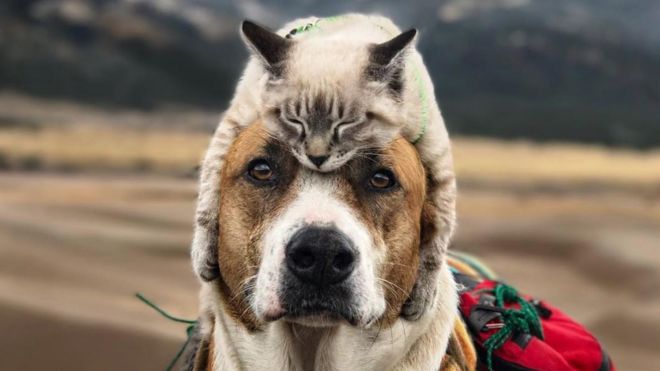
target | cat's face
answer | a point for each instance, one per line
(324, 127)
(329, 100)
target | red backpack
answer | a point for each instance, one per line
(511, 331)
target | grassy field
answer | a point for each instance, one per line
(84, 148)
(557, 163)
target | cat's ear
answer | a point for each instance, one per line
(388, 52)
(269, 46)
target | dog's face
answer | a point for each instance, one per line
(318, 248)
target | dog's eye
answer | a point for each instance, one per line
(382, 179)
(261, 171)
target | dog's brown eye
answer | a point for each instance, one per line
(382, 179)
(260, 170)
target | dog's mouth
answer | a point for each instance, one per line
(320, 315)
(314, 316)
(318, 307)
(321, 319)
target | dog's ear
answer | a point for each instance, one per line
(204, 249)
(203, 253)
(437, 227)
(270, 47)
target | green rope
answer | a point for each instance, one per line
(524, 320)
(189, 329)
(424, 101)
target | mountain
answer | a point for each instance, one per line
(584, 70)
(524, 80)
(120, 53)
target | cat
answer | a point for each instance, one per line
(332, 88)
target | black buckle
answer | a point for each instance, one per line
(483, 313)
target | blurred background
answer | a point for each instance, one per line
(106, 107)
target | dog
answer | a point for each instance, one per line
(314, 268)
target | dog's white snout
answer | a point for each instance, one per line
(318, 242)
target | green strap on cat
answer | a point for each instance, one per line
(419, 81)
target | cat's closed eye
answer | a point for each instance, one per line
(297, 123)
(294, 121)
(343, 125)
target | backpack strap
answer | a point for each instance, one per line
(460, 355)
(469, 265)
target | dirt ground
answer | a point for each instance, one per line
(74, 249)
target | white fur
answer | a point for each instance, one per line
(316, 204)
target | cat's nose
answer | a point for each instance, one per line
(317, 160)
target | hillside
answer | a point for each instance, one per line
(563, 70)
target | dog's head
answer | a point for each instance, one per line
(319, 248)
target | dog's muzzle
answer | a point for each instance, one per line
(319, 261)
(320, 256)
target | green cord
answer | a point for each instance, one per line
(162, 312)
(525, 320)
(424, 100)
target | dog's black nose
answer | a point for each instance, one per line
(317, 160)
(320, 256)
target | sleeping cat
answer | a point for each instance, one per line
(332, 88)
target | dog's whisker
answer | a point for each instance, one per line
(399, 264)
(380, 327)
(403, 329)
(295, 333)
(244, 285)
(391, 284)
